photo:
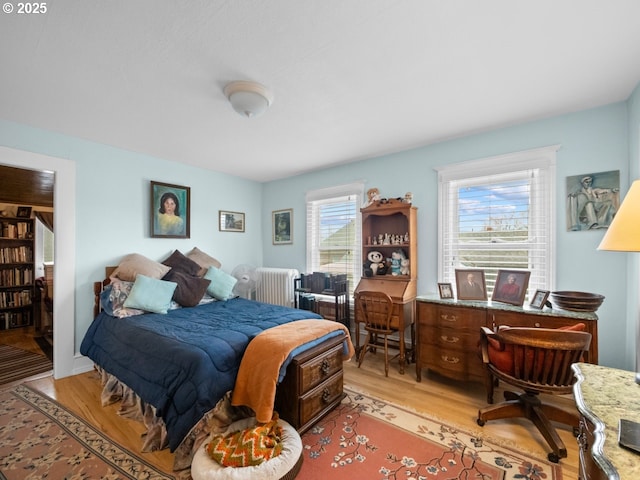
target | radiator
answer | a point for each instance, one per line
(276, 285)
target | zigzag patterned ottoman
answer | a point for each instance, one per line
(283, 467)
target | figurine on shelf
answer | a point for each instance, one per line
(408, 198)
(404, 266)
(396, 261)
(375, 264)
(373, 196)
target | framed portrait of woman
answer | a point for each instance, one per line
(511, 286)
(170, 210)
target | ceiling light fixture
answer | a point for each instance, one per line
(249, 99)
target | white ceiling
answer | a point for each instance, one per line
(351, 79)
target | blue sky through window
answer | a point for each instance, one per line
(497, 206)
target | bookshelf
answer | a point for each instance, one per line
(324, 294)
(16, 272)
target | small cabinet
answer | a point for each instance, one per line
(324, 294)
(17, 280)
(312, 386)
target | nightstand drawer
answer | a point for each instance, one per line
(322, 397)
(320, 368)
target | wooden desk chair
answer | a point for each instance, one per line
(376, 309)
(536, 360)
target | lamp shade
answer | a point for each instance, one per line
(249, 99)
(623, 234)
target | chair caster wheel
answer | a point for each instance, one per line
(480, 422)
(553, 457)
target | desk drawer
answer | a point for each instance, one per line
(450, 338)
(454, 317)
(455, 363)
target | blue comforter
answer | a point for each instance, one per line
(182, 363)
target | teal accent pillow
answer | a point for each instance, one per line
(221, 285)
(150, 294)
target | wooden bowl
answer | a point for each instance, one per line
(577, 301)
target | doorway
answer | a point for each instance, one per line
(26, 335)
(64, 357)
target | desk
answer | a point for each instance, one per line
(402, 292)
(448, 332)
(604, 395)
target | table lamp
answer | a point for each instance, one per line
(623, 235)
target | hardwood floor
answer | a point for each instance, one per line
(455, 402)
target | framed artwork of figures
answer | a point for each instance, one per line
(445, 290)
(592, 200)
(282, 225)
(170, 210)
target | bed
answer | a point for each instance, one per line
(176, 369)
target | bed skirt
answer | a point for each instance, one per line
(133, 407)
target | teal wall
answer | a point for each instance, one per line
(112, 208)
(591, 141)
(112, 211)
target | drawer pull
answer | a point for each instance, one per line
(537, 324)
(449, 318)
(449, 359)
(448, 339)
(326, 395)
(325, 366)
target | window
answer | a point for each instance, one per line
(334, 231)
(499, 213)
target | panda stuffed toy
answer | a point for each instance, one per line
(375, 264)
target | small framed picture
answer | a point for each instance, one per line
(471, 284)
(23, 212)
(230, 221)
(539, 299)
(170, 210)
(282, 221)
(445, 290)
(511, 286)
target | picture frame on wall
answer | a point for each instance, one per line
(511, 286)
(539, 299)
(23, 212)
(592, 200)
(282, 226)
(170, 210)
(471, 284)
(230, 221)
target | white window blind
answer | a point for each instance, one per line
(334, 231)
(499, 213)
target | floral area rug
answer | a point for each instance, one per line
(39, 438)
(366, 438)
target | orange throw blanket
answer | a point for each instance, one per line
(258, 375)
